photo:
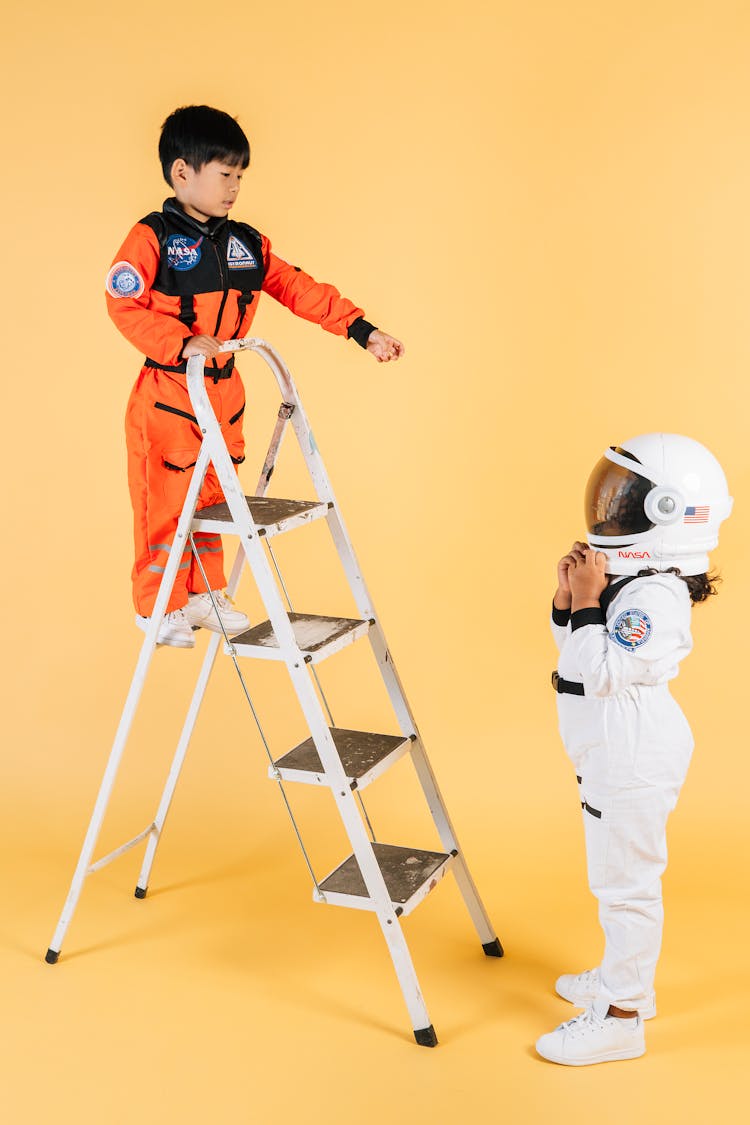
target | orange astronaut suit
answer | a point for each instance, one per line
(174, 277)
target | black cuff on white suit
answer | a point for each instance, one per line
(592, 615)
(560, 616)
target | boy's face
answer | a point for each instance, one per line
(208, 193)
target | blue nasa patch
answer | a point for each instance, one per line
(183, 252)
(238, 255)
(631, 629)
(123, 280)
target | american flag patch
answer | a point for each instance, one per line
(697, 514)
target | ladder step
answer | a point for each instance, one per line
(317, 637)
(363, 755)
(271, 515)
(409, 873)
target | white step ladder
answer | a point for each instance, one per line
(390, 881)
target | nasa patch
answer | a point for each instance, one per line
(182, 252)
(632, 629)
(123, 280)
(238, 255)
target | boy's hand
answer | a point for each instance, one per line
(201, 345)
(587, 579)
(384, 347)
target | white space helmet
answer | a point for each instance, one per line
(656, 501)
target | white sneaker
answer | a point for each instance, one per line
(200, 611)
(593, 1037)
(584, 988)
(174, 630)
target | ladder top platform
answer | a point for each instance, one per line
(271, 515)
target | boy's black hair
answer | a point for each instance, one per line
(700, 586)
(199, 134)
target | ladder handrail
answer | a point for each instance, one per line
(196, 365)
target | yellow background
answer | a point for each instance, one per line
(548, 202)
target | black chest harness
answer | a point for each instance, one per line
(202, 258)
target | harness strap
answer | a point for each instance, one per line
(187, 310)
(215, 373)
(566, 687)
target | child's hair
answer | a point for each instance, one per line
(199, 134)
(700, 586)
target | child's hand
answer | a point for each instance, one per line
(201, 345)
(384, 347)
(575, 554)
(587, 578)
(562, 597)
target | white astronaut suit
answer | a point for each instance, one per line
(630, 745)
(654, 503)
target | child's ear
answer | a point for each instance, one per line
(178, 171)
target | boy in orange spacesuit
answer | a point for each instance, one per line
(186, 279)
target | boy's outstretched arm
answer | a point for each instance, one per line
(323, 304)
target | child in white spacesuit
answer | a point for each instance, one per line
(621, 620)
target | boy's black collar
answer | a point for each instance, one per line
(211, 228)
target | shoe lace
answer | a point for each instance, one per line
(177, 617)
(589, 979)
(584, 1023)
(216, 597)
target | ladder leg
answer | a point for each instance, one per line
(424, 1032)
(186, 735)
(487, 935)
(105, 792)
(131, 703)
(377, 891)
(477, 912)
(177, 763)
(490, 942)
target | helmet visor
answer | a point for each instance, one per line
(615, 498)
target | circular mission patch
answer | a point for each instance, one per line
(632, 628)
(123, 280)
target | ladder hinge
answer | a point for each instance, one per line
(286, 410)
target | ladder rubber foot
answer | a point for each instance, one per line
(51, 956)
(493, 948)
(426, 1036)
(140, 892)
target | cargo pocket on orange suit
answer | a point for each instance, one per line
(177, 467)
(233, 436)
